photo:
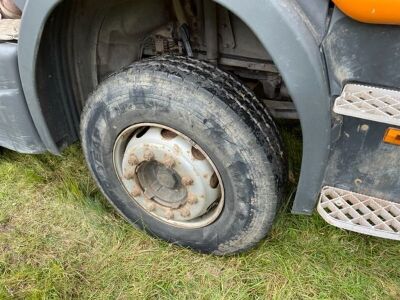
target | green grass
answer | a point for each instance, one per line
(60, 239)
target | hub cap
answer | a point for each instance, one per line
(168, 175)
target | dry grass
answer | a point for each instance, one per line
(60, 239)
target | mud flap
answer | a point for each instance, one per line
(17, 131)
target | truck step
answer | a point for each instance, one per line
(369, 103)
(9, 29)
(360, 213)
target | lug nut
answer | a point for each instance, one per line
(169, 215)
(192, 199)
(151, 207)
(133, 160)
(185, 213)
(136, 192)
(186, 181)
(169, 162)
(129, 173)
(148, 155)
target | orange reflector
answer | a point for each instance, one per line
(392, 136)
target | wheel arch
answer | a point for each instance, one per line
(288, 38)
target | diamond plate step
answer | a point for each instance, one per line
(9, 29)
(360, 213)
(369, 103)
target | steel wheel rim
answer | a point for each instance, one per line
(160, 149)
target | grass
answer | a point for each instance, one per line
(60, 239)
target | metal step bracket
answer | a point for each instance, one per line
(369, 103)
(360, 213)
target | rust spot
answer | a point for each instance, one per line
(133, 160)
(169, 162)
(136, 192)
(192, 199)
(177, 150)
(185, 212)
(186, 181)
(169, 214)
(148, 155)
(151, 207)
(129, 173)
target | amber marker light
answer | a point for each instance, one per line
(392, 136)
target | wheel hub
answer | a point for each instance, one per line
(161, 184)
(169, 175)
(166, 178)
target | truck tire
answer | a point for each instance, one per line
(185, 152)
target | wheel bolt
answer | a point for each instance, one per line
(169, 214)
(151, 207)
(169, 162)
(148, 155)
(185, 213)
(129, 174)
(192, 199)
(133, 160)
(136, 192)
(186, 181)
